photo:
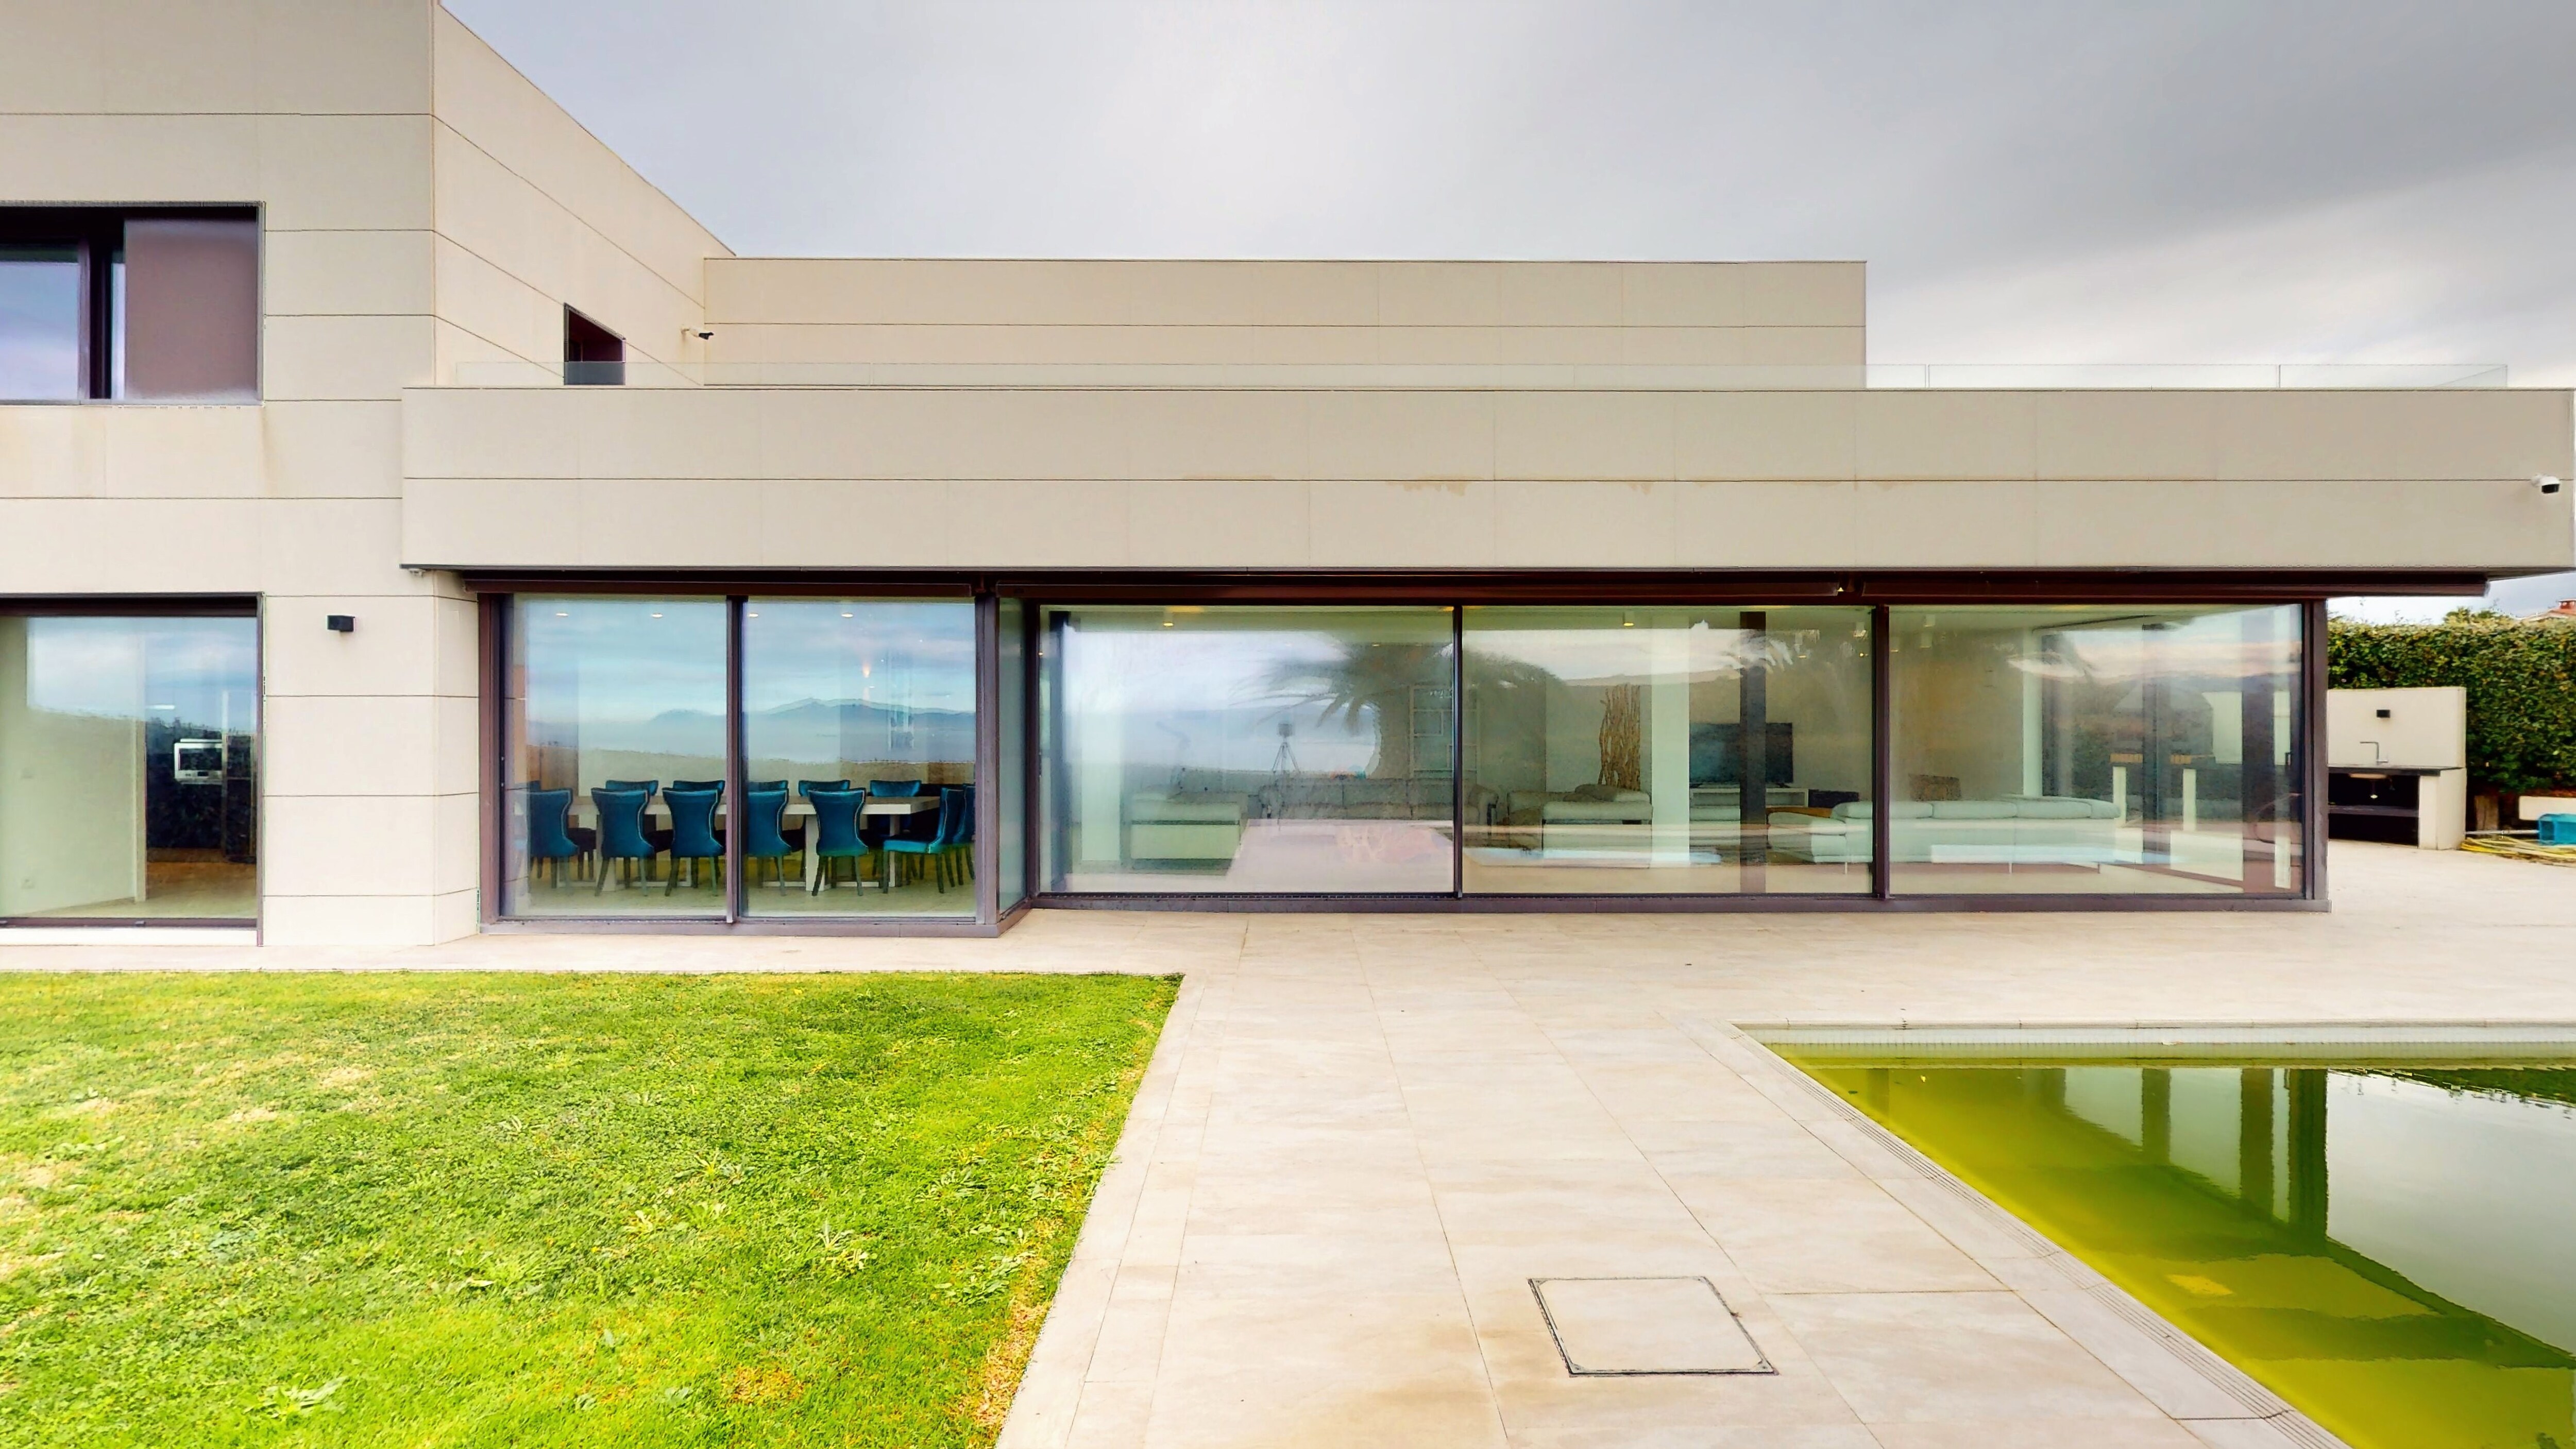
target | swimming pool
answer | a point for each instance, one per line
(2384, 1236)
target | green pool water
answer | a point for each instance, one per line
(2390, 1246)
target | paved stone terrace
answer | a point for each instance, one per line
(1363, 1135)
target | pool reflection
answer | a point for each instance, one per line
(2384, 1246)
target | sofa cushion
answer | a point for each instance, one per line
(1901, 810)
(1975, 810)
(1177, 809)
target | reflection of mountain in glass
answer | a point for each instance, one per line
(2386, 1248)
(823, 731)
(811, 729)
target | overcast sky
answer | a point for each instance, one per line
(2048, 182)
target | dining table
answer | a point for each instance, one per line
(890, 808)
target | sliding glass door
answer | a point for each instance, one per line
(1249, 750)
(613, 720)
(129, 768)
(2096, 750)
(811, 757)
(858, 732)
(718, 759)
(1670, 751)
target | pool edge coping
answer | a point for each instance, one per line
(2171, 1348)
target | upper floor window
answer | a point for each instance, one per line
(150, 304)
(593, 355)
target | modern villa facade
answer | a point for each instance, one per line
(412, 523)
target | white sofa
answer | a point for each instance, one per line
(1612, 824)
(2016, 830)
(1185, 826)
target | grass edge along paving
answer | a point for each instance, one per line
(431, 1209)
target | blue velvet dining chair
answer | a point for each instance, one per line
(894, 789)
(550, 836)
(693, 833)
(934, 850)
(964, 848)
(835, 832)
(715, 785)
(764, 835)
(621, 831)
(647, 786)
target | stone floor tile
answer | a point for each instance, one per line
(2240, 1434)
(1802, 1235)
(1770, 1147)
(1322, 1370)
(2039, 1434)
(1306, 1264)
(1955, 1358)
(1110, 1416)
(1694, 1436)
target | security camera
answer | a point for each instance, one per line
(2545, 483)
(702, 334)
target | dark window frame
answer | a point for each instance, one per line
(98, 232)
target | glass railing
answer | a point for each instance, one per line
(2186, 375)
(2262, 376)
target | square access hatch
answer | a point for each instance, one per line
(1630, 1326)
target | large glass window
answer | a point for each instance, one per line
(156, 305)
(41, 356)
(129, 782)
(1667, 750)
(859, 729)
(615, 732)
(1249, 749)
(2095, 749)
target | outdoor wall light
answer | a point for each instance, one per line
(341, 623)
(2545, 483)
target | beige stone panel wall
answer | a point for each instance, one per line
(69, 451)
(802, 290)
(1067, 478)
(1225, 523)
(484, 312)
(785, 354)
(537, 200)
(885, 312)
(1584, 435)
(337, 449)
(145, 56)
(1438, 435)
(372, 736)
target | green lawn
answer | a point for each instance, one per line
(449, 1209)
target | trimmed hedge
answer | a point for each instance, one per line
(2520, 675)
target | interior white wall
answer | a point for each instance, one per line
(71, 797)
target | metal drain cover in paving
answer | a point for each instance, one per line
(1646, 1326)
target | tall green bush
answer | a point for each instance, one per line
(2520, 675)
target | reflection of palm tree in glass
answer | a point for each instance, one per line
(1371, 683)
